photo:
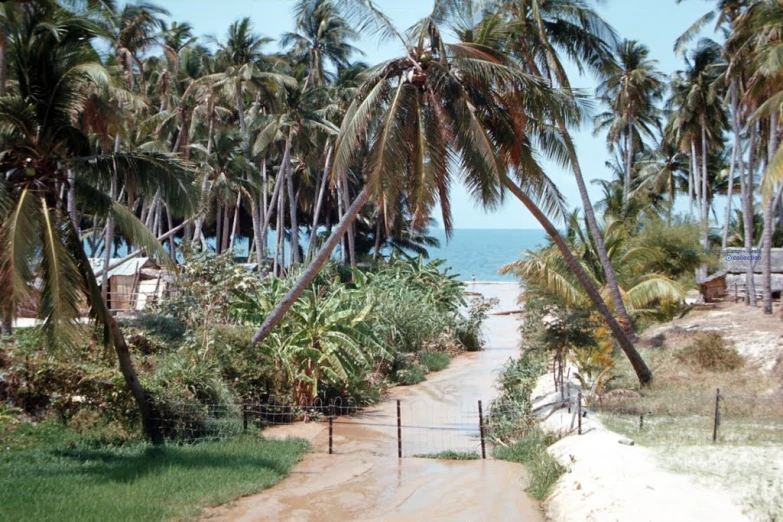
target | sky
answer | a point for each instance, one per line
(656, 23)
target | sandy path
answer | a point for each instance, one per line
(612, 482)
(364, 480)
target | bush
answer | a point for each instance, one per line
(435, 361)
(709, 351)
(410, 375)
(468, 330)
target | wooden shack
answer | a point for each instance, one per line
(133, 284)
(730, 281)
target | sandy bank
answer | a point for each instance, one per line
(608, 481)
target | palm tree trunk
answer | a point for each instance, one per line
(172, 242)
(730, 192)
(628, 166)
(198, 234)
(72, 199)
(235, 223)
(705, 211)
(110, 226)
(611, 278)
(256, 217)
(643, 373)
(218, 229)
(377, 251)
(292, 201)
(351, 230)
(319, 201)
(690, 188)
(276, 315)
(224, 235)
(766, 252)
(263, 205)
(149, 421)
(696, 179)
(748, 215)
(343, 240)
(769, 221)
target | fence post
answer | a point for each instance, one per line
(716, 424)
(399, 431)
(579, 411)
(331, 424)
(569, 399)
(481, 431)
(244, 417)
(641, 421)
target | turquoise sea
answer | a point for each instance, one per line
(481, 252)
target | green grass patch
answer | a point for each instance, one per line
(435, 361)
(543, 468)
(449, 455)
(72, 481)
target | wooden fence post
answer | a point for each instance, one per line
(244, 418)
(641, 421)
(481, 431)
(579, 411)
(716, 422)
(399, 431)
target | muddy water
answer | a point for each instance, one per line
(363, 479)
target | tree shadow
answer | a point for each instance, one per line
(128, 466)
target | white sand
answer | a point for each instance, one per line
(608, 481)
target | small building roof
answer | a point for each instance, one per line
(736, 260)
(714, 277)
(128, 268)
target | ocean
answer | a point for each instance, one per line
(470, 252)
(481, 252)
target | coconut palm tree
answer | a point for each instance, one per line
(322, 36)
(537, 34)
(41, 254)
(630, 89)
(438, 107)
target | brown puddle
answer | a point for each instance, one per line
(364, 479)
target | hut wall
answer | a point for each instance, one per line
(121, 288)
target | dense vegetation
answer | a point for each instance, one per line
(393, 324)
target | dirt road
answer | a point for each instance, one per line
(364, 479)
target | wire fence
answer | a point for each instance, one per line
(402, 428)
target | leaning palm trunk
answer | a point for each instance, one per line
(643, 373)
(150, 424)
(314, 267)
(611, 278)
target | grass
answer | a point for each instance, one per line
(449, 455)
(45, 475)
(679, 411)
(531, 451)
(435, 361)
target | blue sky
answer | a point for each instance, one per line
(656, 23)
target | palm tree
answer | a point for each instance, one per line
(663, 170)
(438, 107)
(40, 248)
(642, 291)
(698, 118)
(537, 32)
(321, 37)
(630, 88)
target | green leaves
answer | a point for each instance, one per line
(61, 284)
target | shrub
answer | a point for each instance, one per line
(531, 451)
(435, 361)
(410, 375)
(709, 351)
(468, 330)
